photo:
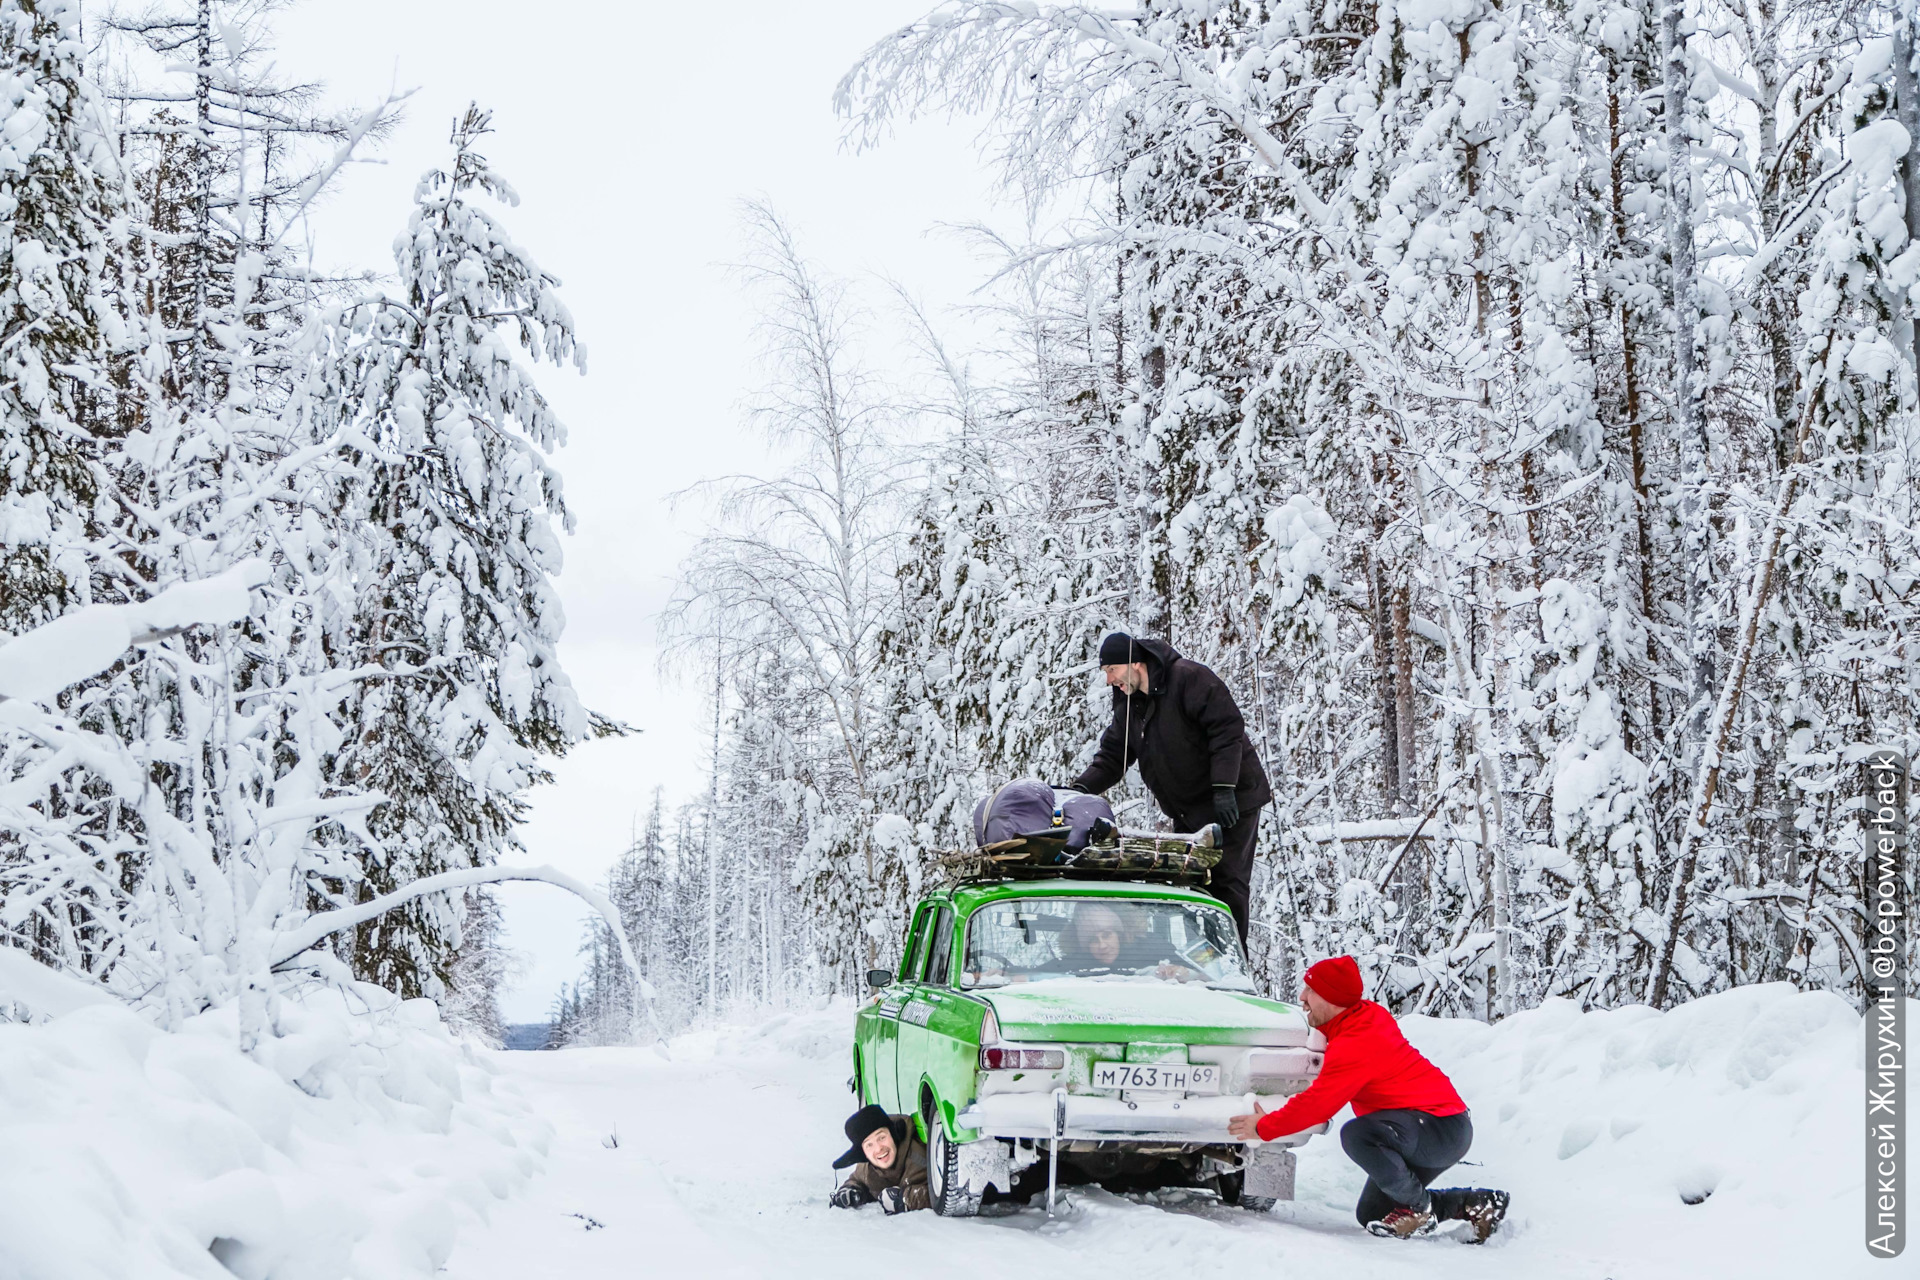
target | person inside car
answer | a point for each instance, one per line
(1104, 938)
(889, 1163)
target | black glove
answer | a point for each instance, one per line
(893, 1200)
(851, 1196)
(1226, 806)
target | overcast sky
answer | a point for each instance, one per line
(632, 131)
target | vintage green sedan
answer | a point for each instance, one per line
(1085, 1031)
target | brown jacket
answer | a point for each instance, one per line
(909, 1172)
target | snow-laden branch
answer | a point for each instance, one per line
(958, 53)
(1404, 829)
(41, 662)
(309, 934)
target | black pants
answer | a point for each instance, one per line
(1232, 879)
(1403, 1151)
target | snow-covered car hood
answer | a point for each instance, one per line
(1093, 1009)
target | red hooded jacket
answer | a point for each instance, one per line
(1370, 1064)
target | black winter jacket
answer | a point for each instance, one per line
(1187, 736)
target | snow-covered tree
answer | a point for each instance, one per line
(1512, 291)
(447, 509)
(799, 575)
(186, 403)
(1514, 404)
(63, 208)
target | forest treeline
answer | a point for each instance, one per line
(183, 393)
(1514, 403)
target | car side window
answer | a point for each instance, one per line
(942, 947)
(914, 962)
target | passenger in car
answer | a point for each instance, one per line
(1104, 937)
(889, 1163)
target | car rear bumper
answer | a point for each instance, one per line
(1189, 1119)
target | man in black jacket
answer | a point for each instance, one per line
(1177, 720)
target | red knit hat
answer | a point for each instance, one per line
(1336, 981)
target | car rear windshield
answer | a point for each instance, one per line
(1033, 939)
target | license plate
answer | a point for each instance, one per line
(1156, 1077)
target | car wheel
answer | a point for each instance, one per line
(1229, 1186)
(949, 1195)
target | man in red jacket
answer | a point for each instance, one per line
(1409, 1124)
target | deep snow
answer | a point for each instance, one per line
(357, 1143)
(1601, 1124)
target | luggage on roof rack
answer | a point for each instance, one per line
(1025, 830)
(1184, 858)
(1029, 807)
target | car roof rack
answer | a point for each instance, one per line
(1128, 855)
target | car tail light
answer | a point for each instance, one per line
(1022, 1059)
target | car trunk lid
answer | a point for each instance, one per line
(1092, 1010)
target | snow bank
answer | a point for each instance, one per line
(1725, 1122)
(822, 1031)
(354, 1146)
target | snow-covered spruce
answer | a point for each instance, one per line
(446, 507)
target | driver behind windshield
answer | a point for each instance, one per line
(1104, 938)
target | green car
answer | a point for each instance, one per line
(1082, 1030)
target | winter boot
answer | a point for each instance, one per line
(1403, 1223)
(1483, 1209)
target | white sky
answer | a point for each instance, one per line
(631, 131)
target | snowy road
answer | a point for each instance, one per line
(720, 1169)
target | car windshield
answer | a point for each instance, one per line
(1033, 939)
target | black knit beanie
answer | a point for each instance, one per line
(1119, 648)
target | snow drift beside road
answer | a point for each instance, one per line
(355, 1146)
(1726, 1128)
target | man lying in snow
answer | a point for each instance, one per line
(1409, 1124)
(889, 1163)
